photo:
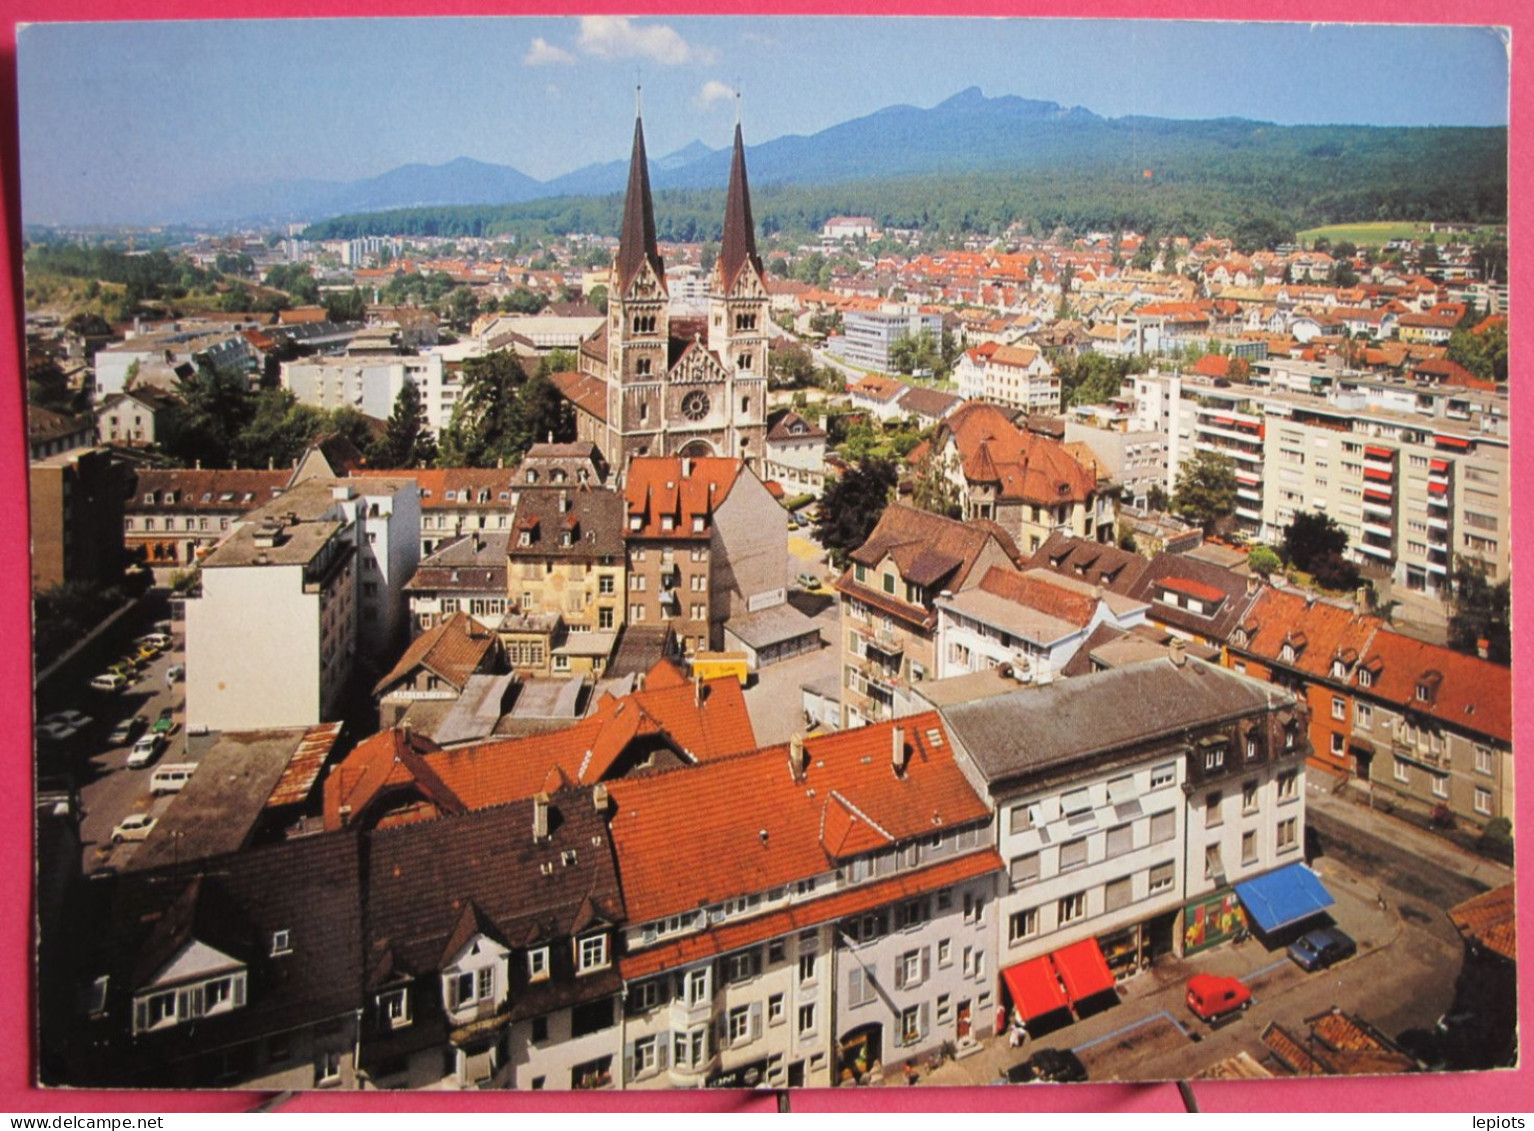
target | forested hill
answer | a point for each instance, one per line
(973, 170)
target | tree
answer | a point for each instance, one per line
(597, 297)
(1483, 354)
(540, 414)
(851, 505)
(557, 361)
(480, 427)
(911, 353)
(932, 489)
(462, 307)
(790, 365)
(215, 407)
(406, 434)
(1479, 610)
(1264, 561)
(1206, 489)
(346, 306)
(1309, 536)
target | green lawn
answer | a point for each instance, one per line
(1372, 234)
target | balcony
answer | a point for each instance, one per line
(1382, 552)
(1378, 529)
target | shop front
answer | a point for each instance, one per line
(1210, 920)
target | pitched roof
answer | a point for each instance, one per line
(474, 563)
(585, 392)
(453, 651)
(1222, 592)
(684, 489)
(933, 548)
(743, 825)
(1114, 569)
(789, 425)
(388, 760)
(636, 242)
(923, 401)
(703, 724)
(45, 424)
(737, 246)
(1489, 920)
(592, 517)
(1025, 465)
(454, 488)
(205, 489)
(1044, 591)
(1038, 729)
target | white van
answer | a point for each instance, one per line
(171, 777)
(111, 681)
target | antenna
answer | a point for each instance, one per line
(737, 102)
(638, 94)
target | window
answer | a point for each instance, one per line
(1163, 826)
(1073, 854)
(1249, 797)
(889, 583)
(1483, 762)
(645, 996)
(1022, 925)
(739, 1024)
(806, 1019)
(486, 983)
(1249, 847)
(775, 1009)
(1025, 869)
(1363, 716)
(912, 913)
(282, 942)
(592, 954)
(689, 1050)
(1163, 775)
(693, 986)
(1365, 678)
(860, 989)
(1214, 758)
(646, 1057)
(1214, 866)
(1072, 907)
(743, 966)
(1214, 809)
(1402, 774)
(1339, 745)
(1161, 877)
(1118, 894)
(974, 907)
(1120, 840)
(1288, 786)
(1076, 801)
(1339, 708)
(1483, 801)
(1440, 785)
(913, 968)
(1022, 818)
(806, 968)
(460, 989)
(591, 1017)
(1288, 834)
(605, 617)
(913, 1024)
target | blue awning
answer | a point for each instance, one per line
(1283, 897)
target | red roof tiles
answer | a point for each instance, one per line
(683, 489)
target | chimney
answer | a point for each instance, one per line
(599, 797)
(1177, 652)
(639, 682)
(697, 691)
(898, 752)
(1253, 583)
(1483, 648)
(197, 464)
(798, 760)
(500, 462)
(1361, 599)
(540, 818)
(686, 467)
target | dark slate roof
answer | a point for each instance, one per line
(475, 563)
(595, 516)
(1207, 581)
(422, 877)
(234, 904)
(1094, 562)
(640, 647)
(636, 242)
(1037, 728)
(737, 247)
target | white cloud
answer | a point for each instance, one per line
(543, 53)
(618, 37)
(714, 91)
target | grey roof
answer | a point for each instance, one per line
(772, 626)
(1035, 728)
(475, 712)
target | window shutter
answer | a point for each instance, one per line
(756, 1020)
(239, 990)
(855, 985)
(628, 1062)
(899, 974)
(662, 1052)
(196, 1001)
(922, 1024)
(926, 963)
(140, 1016)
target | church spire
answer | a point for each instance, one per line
(636, 244)
(738, 247)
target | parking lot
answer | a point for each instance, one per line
(108, 790)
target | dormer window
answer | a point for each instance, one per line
(591, 954)
(636, 522)
(667, 522)
(1287, 653)
(1365, 678)
(1424, 693)
(1339, 670)
(525, 538)
(532, 475)
(282, 942)
(538, 964)
(697, 524)
(394, 1008)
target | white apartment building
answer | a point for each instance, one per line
(222, 347)
(372, 384)
(1123, 839)
(869, 334)
(1021, 376)
(303, 592)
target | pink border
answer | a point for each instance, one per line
(1499, 1092)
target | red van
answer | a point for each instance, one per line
(1212, 997)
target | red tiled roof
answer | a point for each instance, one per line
(742, 825)
(465, 485)
(1490, 920)
(587, 393)
(1039, 592)
(734, 936)
(655, 486)
(388, 759)
(490, 773)
(1212, 365)
(453, 650)
(1195, 589)
(1027, 466)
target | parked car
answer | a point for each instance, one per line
(175, 672)
(1049, 1066)
(136, 826)
(1323, 947)
(55, 731)
(144, 751)
(154, 639)
(147, 652)
(808, 582)
(127, 730)
(109, 681)
(165, 724)
(171, 777)
(1211, 996)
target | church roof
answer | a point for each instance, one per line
(737, 248)
(636, 244)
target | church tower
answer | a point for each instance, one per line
(639, 325)
(737, 317)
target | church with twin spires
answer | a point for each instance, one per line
(651, 384)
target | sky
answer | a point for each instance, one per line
(137, 116)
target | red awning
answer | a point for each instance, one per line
(1438, 488)
(1451, 441)
(1438, 465)
(1034, 988)
(1378, 453)
(1226, 421)
(1377, 473)
(1376, 496)
(1083, 969)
